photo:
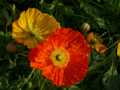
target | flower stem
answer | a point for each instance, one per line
(42, 84)
(20, 85)
(65, 88)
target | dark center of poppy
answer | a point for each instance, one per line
(58, 57)
(31, 34)
(34, 35)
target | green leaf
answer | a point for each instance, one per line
(74, 88)
(109, 74)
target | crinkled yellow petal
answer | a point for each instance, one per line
(32, 14)
(22, 21)
(33, 26)
(19, 33)
(47, 24)
(118, 49)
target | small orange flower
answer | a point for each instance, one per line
(62, 57)
(96, 42)
(32, 27)
(101, 48)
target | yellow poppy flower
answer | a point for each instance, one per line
(33, 26)
(118, 49)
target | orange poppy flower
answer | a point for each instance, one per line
(33, 26)
(62, 57)
(100, 48)
(96, 42)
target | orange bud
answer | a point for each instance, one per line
(90, 37)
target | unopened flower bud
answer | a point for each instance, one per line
(85, 27)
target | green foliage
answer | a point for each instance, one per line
(102, 15)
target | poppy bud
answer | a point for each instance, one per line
(85, 27)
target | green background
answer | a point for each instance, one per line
(103, 17)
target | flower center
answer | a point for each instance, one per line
(34, 35)
(60, 57)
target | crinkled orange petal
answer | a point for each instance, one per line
(90, 37)
(100, 48)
